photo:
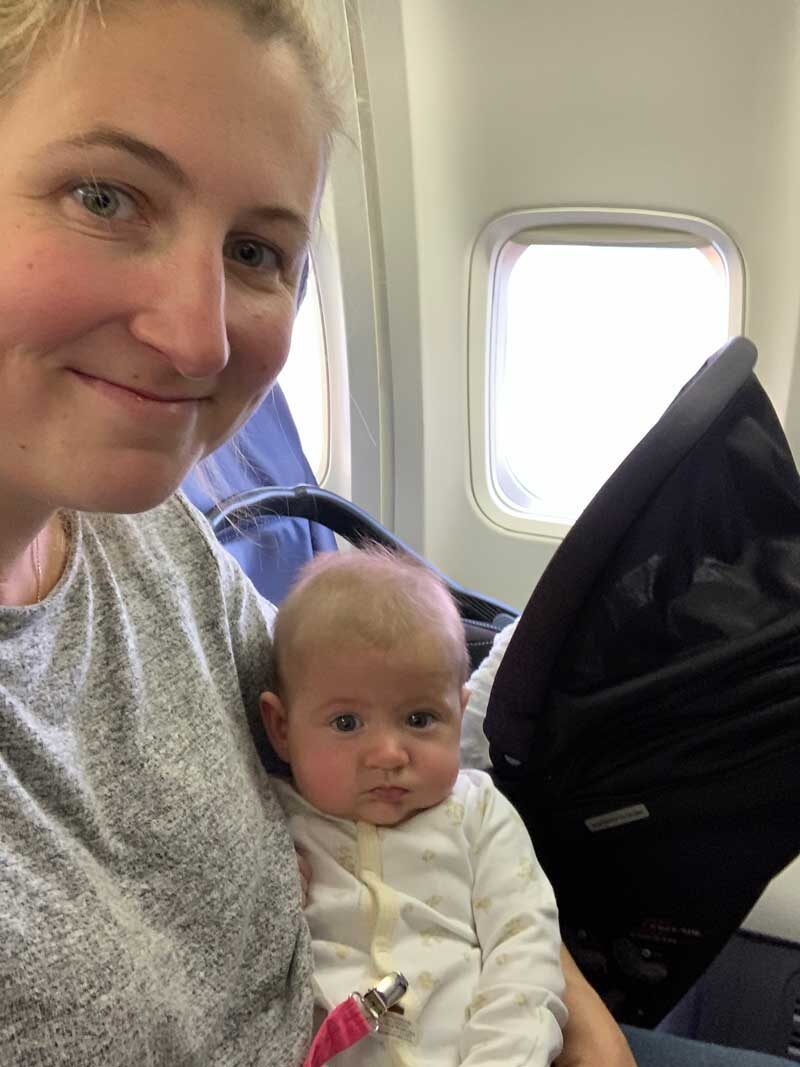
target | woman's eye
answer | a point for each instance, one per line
(419, 720)
(255, 255)
(105, 201)
(345, 724)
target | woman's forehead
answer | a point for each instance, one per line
(189, 81)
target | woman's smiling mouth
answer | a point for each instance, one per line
(142, 403)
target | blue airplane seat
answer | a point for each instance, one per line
(265, 452)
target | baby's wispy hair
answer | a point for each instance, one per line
(375, 597)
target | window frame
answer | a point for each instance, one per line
(492, 258)
(314, 294)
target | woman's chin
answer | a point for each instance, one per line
(123, 489)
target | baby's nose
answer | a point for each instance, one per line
(387, 753)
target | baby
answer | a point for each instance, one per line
(416, 866)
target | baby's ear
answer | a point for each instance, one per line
(465, 692)
(276, 723)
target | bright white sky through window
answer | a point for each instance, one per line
(304, 379)
(598, 342)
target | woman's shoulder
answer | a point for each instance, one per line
(175, 524)
(167, 560)
(172, 540)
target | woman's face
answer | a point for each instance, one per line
(157, 188)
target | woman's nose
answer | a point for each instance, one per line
(387, 753)
(182, 316)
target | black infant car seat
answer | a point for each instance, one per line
(645, 719)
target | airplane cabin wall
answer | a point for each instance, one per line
(477, 109)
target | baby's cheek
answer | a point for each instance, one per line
(445, 771)
(326, 781)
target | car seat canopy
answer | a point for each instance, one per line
(713, 559)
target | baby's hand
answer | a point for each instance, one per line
(304, 868)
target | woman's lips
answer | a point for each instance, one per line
(141, 403)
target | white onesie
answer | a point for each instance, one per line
(455, 899)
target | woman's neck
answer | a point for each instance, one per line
(32, 555)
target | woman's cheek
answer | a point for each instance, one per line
(260, 334)
(89, 294)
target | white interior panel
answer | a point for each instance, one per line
(689, 107)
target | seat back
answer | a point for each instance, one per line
(266, 452)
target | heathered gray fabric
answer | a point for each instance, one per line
(149, 910)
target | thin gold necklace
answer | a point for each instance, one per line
(37, 568)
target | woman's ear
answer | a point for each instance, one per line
(276, 723)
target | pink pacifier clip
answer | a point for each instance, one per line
(354, 1018)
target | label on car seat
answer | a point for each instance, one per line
(618, 817)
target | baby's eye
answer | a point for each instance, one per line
(345, 724)
(253, 254)
(105, 201)
(419, 720)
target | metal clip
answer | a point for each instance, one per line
(378, 1000)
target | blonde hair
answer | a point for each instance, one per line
(26, 23)
(374, 597)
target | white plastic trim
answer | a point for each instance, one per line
(485, 311)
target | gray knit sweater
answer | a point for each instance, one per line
(149, 908)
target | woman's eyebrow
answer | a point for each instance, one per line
(274, 213)
(111, 137)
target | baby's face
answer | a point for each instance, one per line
(370, 735)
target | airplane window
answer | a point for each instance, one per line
(590, 345)
(304, 379)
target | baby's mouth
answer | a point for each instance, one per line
(390, 793)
